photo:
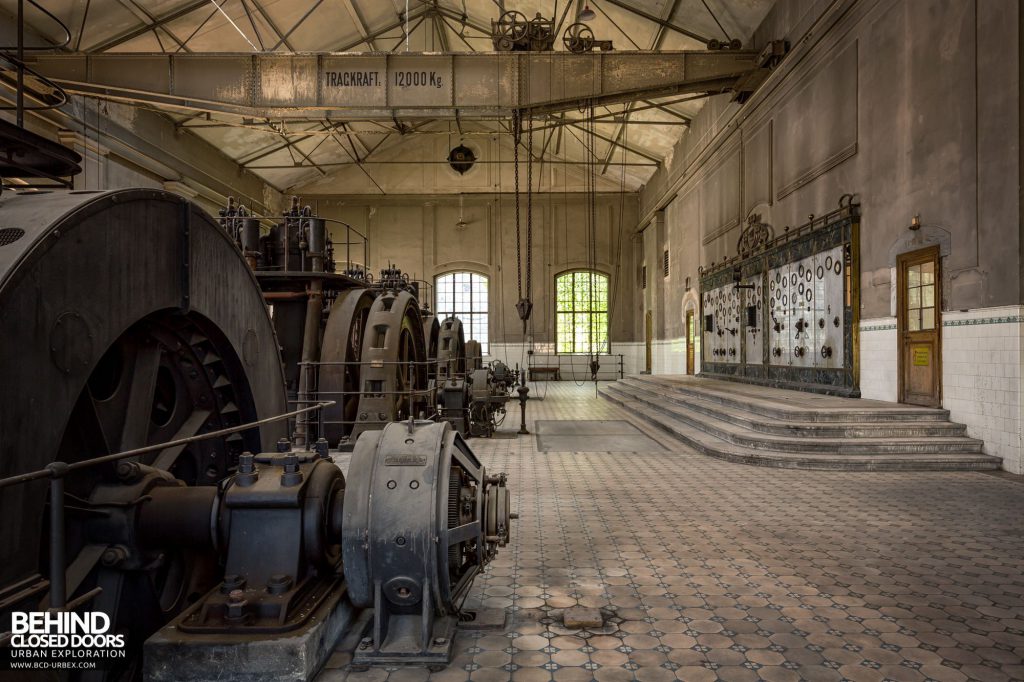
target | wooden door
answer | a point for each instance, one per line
(648, 341)
(691, 337)
(919, 326)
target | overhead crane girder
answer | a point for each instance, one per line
(385, 86)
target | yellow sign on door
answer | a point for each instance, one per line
(922, 356)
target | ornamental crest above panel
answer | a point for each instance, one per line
(754, 236)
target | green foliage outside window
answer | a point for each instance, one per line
(581, 313)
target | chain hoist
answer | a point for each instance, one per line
(595, 363)
(516, 132)
(524, 306)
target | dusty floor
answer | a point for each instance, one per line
(710, 570)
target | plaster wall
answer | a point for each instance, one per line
(421, 167)
(914, 107)
(420, 235)
(911, 106)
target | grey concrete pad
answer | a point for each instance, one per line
(634, 443)
(584, 427)
(593, 435)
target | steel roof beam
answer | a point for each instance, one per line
(146, 28)
(273, 26)
(359, 24)
(659, 38)
(615, 142)
(372, 35)
(344, 86)
(302, 20)
(658, 20)
(141, 14)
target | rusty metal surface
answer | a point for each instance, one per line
(88, 267)
(339, 85)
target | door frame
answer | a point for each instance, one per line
(649, 342)
(689, 323)
(925, 254)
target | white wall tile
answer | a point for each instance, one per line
(981, 386)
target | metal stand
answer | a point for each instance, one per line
(523, 392)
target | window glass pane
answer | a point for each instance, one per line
(580, 332)
(581, 304)
(928, 296)
(599, 327)
(928, 272)
(914, 320)
(928, 318)
(564, 322)
(914, 276)
(914, 298)
(464, 295)
(564, 294)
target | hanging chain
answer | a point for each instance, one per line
(523, 306)
(515, 162)
(529, 210)
(595, 363)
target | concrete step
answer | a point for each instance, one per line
(728, 432)
(791, 406)
(737, 433)
(798, 429)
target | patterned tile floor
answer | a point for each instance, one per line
(715, 571)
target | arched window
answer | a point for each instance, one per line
(581, 312)
(464, 295)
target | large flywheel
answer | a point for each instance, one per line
(451, 349)
(394, 369)
(129, 319)
(431, 334)
(340, 357)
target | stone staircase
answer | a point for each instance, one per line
(774, 427)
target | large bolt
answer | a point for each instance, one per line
(128, 471)
(246, 463)
(291, 463)
(292, 475)
(237, 604)
(232, 583)
(284, 445)
(112, 556)
(279, 583)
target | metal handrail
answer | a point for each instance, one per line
(64, 468)
(619, 360)
(374, 364)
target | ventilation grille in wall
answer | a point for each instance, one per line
(665, 264)
(643, 277)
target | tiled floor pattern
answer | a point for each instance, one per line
(716, 571)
